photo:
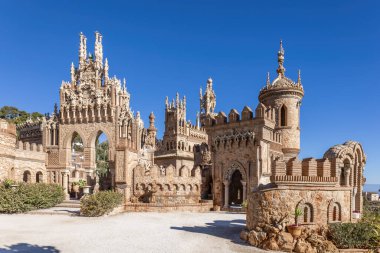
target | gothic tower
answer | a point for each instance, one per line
(175, 123)
(284, 96)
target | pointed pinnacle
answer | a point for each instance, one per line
(299, 77)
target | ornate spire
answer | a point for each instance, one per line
(299, 77)
(280, 59)
(209, 83)
(106, 68)
(151, 120)
(124, 85)
(177, 100)
(198, 121)
(72, 72)
(268, 79)
(82, 48)
(98, 49)
(167, 102)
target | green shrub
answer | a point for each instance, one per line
(27, 197)
(100, 203)
(362, 235)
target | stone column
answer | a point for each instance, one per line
(354, 192)
(65, 183)
(226, 193)
(346, 176)
(244, 190)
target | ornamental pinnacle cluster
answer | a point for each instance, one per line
(221, 161)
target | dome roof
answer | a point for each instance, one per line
(282, 83)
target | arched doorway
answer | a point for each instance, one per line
(234, 185)
(236, 189)
(103, 172)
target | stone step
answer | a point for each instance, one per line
(69, 211)
(70, 203)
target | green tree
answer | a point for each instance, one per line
(102, 165)
(14, 115)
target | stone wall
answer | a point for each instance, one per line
(273, 206)
(21, 161)
(160, 185)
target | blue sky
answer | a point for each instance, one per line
(162, 47)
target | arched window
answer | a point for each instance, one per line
(39, 178)
(27, 177)
(308, 212)
(283, 116)
(334, 212)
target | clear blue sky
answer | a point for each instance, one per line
(162, 47)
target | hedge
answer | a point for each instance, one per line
(27, 197)
(361, 235)
(100, 203)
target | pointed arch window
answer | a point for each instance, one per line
(283, 115)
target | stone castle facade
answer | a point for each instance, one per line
(226, 159)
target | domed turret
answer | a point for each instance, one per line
(285, 95)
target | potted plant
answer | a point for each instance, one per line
(9, 183)
(295, 229)
(83, 186)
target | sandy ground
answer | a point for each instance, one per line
(128, 232)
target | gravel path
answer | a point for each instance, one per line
(128, 232)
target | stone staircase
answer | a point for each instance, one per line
(67, 207)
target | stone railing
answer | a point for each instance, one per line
(302, 179)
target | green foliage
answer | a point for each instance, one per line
(8, 182)
(16, 116)
(102, 164)
(27, 197)
(81, 182)
(360, 235)
(297, 213)
(100, 203)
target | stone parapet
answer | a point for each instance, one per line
(302, 179)
(309, 167)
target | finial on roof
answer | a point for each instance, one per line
(209, 80)
(72, 72)
(177, 100)
(106, 68)
(299, 77)
(268, 79)
(280, 59)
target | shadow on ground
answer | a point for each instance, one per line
(227, 229)
(30, 248)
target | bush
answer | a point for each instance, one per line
(27, 197)
(362, 235)
(100, 203)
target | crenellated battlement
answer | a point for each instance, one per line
(32, 147)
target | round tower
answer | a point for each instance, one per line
(285, 95)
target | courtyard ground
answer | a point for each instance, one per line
(128, 232)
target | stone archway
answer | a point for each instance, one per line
(233, 189)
